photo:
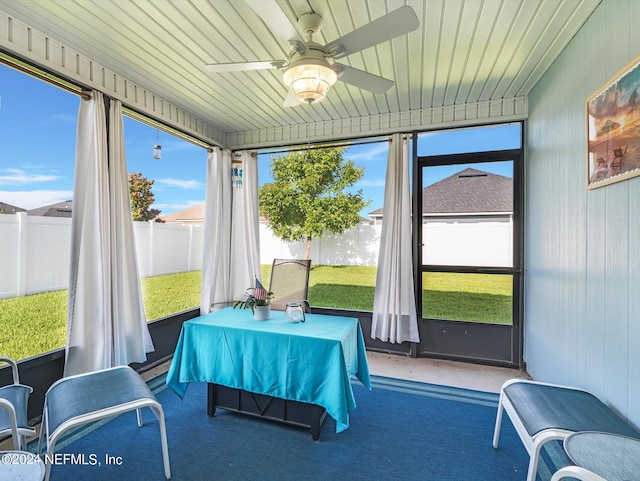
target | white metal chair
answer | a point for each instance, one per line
(83, 398)
(13, 408)
(542, 412)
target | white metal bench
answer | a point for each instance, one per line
(542, 412)
(83, 398)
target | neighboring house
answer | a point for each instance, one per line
(59, 209)
(10, 209)
(191, 216)
(469, 195)
(467, 220)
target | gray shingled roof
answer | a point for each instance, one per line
(59, 209)
(10, 209)
(468, 191)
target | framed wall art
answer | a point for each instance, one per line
(613, 129)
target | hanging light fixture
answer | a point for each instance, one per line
(309, 74)
(157, 149)
(310, 79)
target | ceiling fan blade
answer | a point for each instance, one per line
(239, 66)
(362, 79)
(291, 100)
(273, 16)
(396, 23)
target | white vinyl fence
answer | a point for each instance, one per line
(487, 243)
(35, 250)
(356, 247)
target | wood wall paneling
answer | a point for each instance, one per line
(582, 264)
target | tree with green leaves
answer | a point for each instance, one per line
(141, 197)
(309, 195)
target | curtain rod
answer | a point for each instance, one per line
(165, 128)
(325, 146)
(43, 75)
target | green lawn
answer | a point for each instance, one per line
(347, 287)
(166, 295)
(469, 297)
(31, 325)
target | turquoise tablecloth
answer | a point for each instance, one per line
(310, 362)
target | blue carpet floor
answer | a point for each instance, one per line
(401, 430)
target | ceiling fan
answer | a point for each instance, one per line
(310, 68)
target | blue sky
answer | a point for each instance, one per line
(37, 150)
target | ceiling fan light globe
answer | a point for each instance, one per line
(309, 82)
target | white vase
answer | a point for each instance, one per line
(262, 313)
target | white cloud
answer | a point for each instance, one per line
(18, 176)
(370, 183)
(181, 183)
(370, 152)
(35, 198)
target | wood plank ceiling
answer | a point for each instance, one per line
(464, 52)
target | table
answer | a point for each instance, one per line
(598, 456)
(310, 363)
(20, 466)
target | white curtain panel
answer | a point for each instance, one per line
(245, 227)
(131, 338)
(216, 292)
(231, 257)
(394, 312)
(106, 325)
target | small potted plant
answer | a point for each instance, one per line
(258, 299)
